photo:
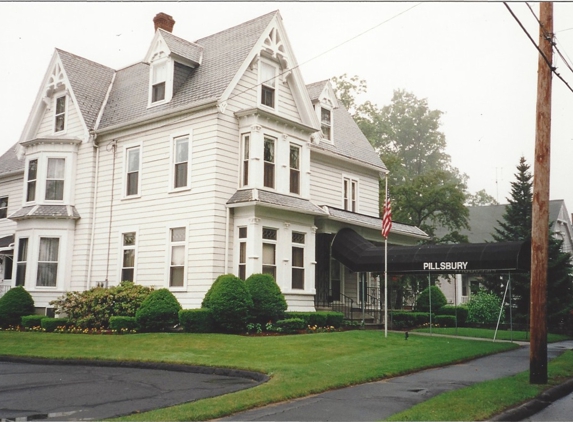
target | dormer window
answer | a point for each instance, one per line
(326, 122)
(60, 114)
(268, 75)
(161, 82)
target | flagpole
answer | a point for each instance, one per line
(386, 270)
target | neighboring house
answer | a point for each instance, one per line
(482, 221)
(206, 158)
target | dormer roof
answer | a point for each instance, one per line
(180, 50)
(322, 92)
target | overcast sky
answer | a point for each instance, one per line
(470, 60)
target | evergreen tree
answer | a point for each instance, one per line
(516, 226)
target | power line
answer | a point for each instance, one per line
(548, 37)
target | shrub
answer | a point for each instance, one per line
(196, 320)
(158, 311)
(407, 319)
(334, 319)
(461, 312)
(291, 325)
(120, 323)
(93, 308)
(15, 304)
(50, 324)
(423, 301)
(30, 321)
(230, 303)
(445, 320)
(483, 308)
(305, 316)
(269, 303)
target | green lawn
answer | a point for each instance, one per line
(484, 400)
(489, 333)
(298, 365)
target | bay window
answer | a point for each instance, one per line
(294, 164)
(269, 163)
(269, 252)
(48, 262)
(55, 179)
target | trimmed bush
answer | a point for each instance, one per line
(269, 303)
(158, 312)
(291, 325)
(423, 301)
(31, 321)
(15, 304)
(93, 308)
(50, 324)
(407, 319)
(483, 308)
(445, 320)
(460, 311)
(196, 320)
(334, 319)
(305, 316)
(120, 323)
(230, 303)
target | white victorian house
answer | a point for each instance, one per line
(207, 157)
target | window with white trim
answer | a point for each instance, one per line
(177, 238)
(326, 122)
(31, 180)
(269, 162)
(158, 81)
(350, 191)
(8, 266)
(48, 262)
(298, 240)
(60, 114)
(242, 253)
(245, 160)
(128, 256)
(22, 261)
(132, 167)
(181, 162)
(3, 207)
(270, 251)
(268, 78)
(294, 164)
(55, 179)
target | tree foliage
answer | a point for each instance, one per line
(480, 198)
(437, 300)
(483, 308)
(15, 304)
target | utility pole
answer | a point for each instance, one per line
(540, 210)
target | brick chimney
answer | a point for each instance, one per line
(163, 21)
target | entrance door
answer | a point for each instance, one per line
(335, 280)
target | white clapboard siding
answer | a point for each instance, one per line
(12, 188)
(74, 124)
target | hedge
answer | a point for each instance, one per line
(291, 325)
(30, 321)
(460, 311)
(445, 320)
(407, 319)
(196, 320)
(120, 323)
(158, 312)
(320, 318)
(50, 324)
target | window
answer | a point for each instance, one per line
(181, 169)
(269, 252)
(132, 164)
(22, 261)
(32, 176)
(268, 82)
(269, 158)
(245, 161)
(48, 262)
(8, 263)
(55, 179)
(159, 81)
(60, 115)
(350, 194)
(326, 122)
(294, 169)
(298, 260)
(4, 207)
(242, 253)
(177, 260)
(128, 256)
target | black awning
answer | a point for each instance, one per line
(359, 254)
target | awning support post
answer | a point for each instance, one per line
(500, 311)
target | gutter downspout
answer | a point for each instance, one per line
(227, 239)
(92, 240)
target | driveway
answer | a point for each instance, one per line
(40, 389)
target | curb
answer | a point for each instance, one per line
(537, 404)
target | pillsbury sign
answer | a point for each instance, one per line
(436, 266)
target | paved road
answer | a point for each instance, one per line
(561, 410)
(73, 392)
(378, 400)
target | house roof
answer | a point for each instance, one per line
(182, 48)
(46, 211)
(484, 219)
(254, 196)
(9, 162)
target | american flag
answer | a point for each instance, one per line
(387, 217)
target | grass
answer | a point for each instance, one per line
(484, 400)
(299, 365)
(489, 333)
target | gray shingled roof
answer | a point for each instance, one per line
(373, 222)
(9, 163)
(349, 141)
(90, 82)
(183, 48)
(274, 199)
(223, 54)
(46, 211)
(484, 219)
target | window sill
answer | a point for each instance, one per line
(128, 198)
(178, 190)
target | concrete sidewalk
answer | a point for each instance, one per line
(379, 400)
